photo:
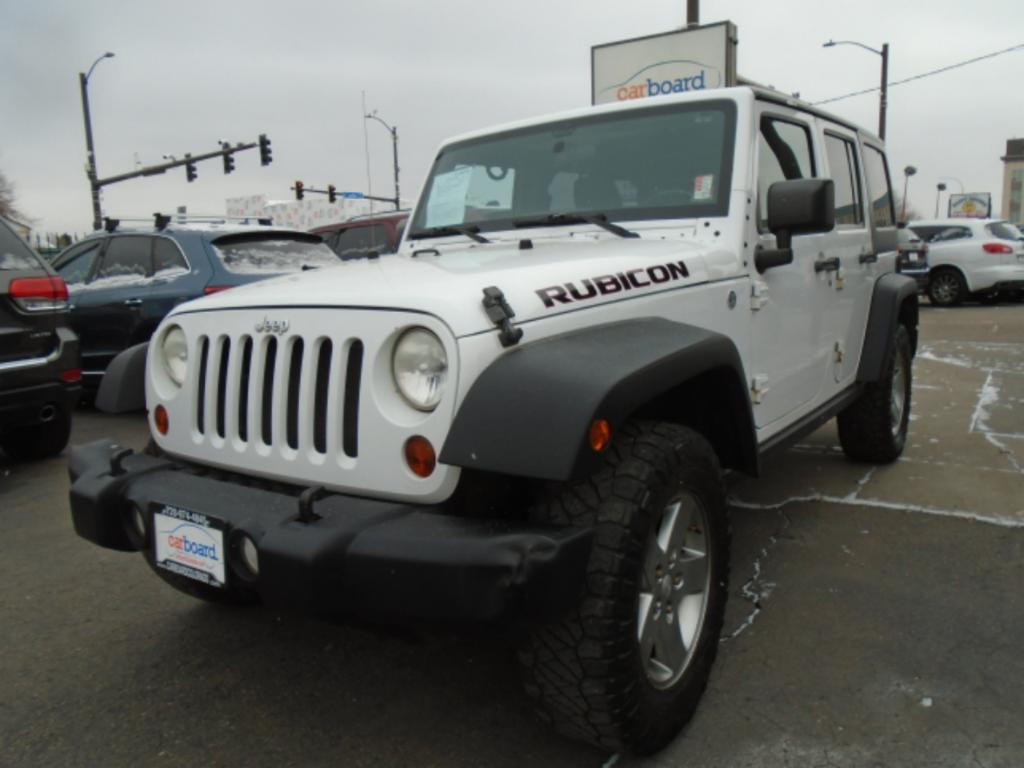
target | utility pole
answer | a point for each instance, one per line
(692, 13)
(884, 100)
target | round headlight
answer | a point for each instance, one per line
(174, 353)
(420, 368)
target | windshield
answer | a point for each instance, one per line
(248, 255)
(671, 161)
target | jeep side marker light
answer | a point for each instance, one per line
(600, 435)
(160, 420)
(420, 456)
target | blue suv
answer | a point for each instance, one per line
(121, 282)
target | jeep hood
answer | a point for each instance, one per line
(536, 281)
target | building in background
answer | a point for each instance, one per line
(1013, 181)
(299, 214)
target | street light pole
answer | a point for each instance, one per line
(393, 130)
(90, 168)
(938, 193)
(907, 173)
(883, 101)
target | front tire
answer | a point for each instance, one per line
(627, 667)
(874, 427)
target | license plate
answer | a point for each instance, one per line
(189, 543)
(915, 256)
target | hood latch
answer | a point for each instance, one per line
(501, 314)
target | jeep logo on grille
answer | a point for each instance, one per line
(266, 325)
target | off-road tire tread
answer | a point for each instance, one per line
(582, 671)
(865, 433)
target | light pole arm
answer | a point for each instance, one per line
(393, 130)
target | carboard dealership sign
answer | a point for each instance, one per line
(973, 205)
(690, 59)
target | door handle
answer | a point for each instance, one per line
(827, 265)
(132, 302)
(868, 258)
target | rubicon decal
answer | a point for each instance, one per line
(602, 285)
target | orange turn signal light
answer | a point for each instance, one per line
(160, 419)
(600, 435)
(420, 456)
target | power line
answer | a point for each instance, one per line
(923, 74)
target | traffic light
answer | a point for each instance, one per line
(332, 195)
(265, 157)
(190, 170)
(229, 159)
(298, 190)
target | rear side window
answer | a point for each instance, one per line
(941, 233)
(167, 259)
(356, 242)
(14, 253)
(263, 255)
(879, 187)
(76, 266)
(127, 259)
(784, 153)
(842, 164)
(1003, 231)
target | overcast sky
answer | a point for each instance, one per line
(187, 74)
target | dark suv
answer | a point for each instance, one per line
(361, 235)
(39, 370)
(123, 282)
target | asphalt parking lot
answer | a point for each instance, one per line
(875, 620)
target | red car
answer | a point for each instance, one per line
(361, 235)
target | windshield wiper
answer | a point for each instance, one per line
(558, 219)
(472, 232)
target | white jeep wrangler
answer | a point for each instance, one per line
(524, 415)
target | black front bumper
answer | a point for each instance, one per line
(375, 560)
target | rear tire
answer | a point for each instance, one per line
(38, 441)
(627, 667)
(946, 288)
(874, 427)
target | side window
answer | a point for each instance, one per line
(879, 187)
(167, 259)
(76, 266)
(842, 166)
(951, 233)
(356, 242)
(126, 257)
(784, 153)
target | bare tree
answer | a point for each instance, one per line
(7, 206)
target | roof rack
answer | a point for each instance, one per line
(161, 221)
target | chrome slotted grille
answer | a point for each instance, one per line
(285, 392)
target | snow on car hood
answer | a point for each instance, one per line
(548, 278)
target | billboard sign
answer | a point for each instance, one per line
(692, 59)
(972, 205)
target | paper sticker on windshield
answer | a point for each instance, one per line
(702, 187)
(447, 202)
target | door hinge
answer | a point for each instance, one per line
(758, 388)
(758, 295)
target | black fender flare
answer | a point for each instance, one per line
(529, 413)
(894, 297)
(123, 387)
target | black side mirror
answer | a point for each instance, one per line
(797, 207)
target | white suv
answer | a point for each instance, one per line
(524, 414)
(979, 258)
